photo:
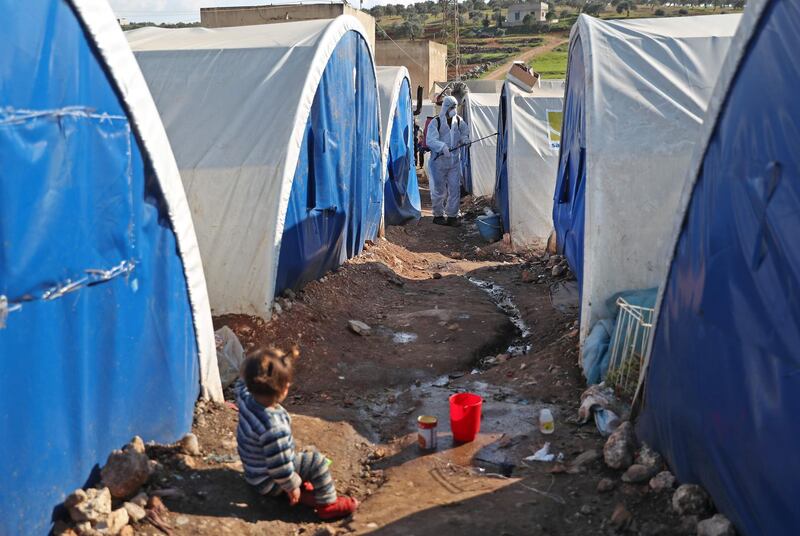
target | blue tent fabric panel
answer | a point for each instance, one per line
(500, 201)
(723, 388)
(116, 357)
(568, 199)
(466, 170)
(336, 199)
(401, 191)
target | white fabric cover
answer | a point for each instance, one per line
(733, 58)
(235, 102)
(480, 113)
(532, 162)
(102, 26)
(389, 79)
(648, 83)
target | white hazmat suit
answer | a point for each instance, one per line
(445, 164)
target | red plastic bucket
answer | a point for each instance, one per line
(465, 416)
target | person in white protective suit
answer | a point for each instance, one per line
(445, 133)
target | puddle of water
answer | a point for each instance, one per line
(504, 301)
(404, 338)
(503, 412)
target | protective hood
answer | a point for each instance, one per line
(448, 103)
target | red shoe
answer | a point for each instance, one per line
(343, 507)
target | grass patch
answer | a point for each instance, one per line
(552, 64)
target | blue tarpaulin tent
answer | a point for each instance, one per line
(105, 329)
(722, 396)
(276, 132)
(401, 201)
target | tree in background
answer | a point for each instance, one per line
(411, 28)
(486, 22)
(550, 16)
(624, 6)
(593, 8)
(498, 18)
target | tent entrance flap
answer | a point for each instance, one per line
(335, 199)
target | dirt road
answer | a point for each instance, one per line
(551, 41)
(448, 314)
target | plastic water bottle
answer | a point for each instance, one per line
(546, 423)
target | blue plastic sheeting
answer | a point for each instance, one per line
(401, 191)
(82, 373)
(500, 200)
(336, 198)
(466, 170)
(568, 203)
(723, 387)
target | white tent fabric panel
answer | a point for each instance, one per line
(100, 23)
(481, 116)
(389, 80)
(532, 161)
(648, 83)
(235, 102)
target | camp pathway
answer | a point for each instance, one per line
(443, 309)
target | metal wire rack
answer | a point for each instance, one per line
(628, 347)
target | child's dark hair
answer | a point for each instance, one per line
(266, 372)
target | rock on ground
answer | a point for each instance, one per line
(140, 499)
(359, 327)
(113, 522)
(190, 445)
(690, 499)
(126, 471)
(718, 525)
(89, 505)
(637, 473)
(662, 481)
(649, 458)
(620, 448)
(605, 485)
(135, 512)
(621, 517)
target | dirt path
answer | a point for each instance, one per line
(445, 310)
(551, 41)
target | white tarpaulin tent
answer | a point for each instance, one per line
(529, 133)
(636, 95)
(480, 113)
(238, 105)
(389, 79)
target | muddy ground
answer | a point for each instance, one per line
(439, 302)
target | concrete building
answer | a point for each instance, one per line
(220, 17)
(517, 13)
(426, 61)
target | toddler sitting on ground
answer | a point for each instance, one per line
(266, 446)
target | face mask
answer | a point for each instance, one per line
(451, 113)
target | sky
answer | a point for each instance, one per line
(189, 10)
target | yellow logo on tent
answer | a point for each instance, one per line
(554, 118)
